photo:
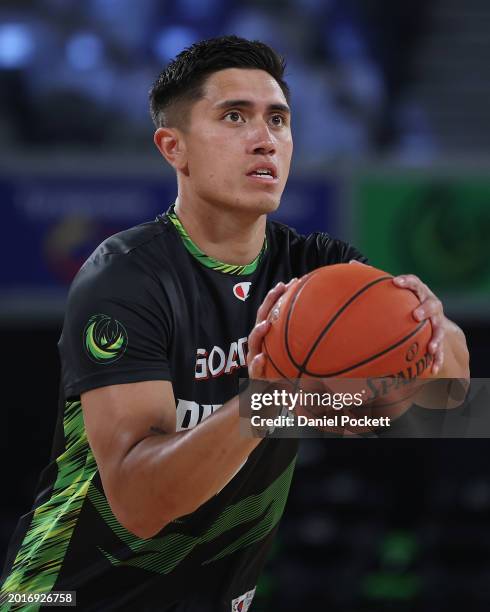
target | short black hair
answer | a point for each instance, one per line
(181, 82)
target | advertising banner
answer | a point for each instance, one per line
(436, 228)
(51, 224)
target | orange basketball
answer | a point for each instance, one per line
(347, 320)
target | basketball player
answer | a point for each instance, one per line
(153, 500)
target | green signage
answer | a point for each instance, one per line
(438, 229)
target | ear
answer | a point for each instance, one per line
(171, 144)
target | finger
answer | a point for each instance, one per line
(438, 335)
(438, 362)
(270, 299)
(412, 282)
(431, 307)
(436, 344)
(255, 339)
(256, 369)
(406, 279)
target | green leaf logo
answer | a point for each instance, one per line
(105, 339)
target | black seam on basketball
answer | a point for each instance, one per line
(337, 315)
(282, 375)
(299, 366)
(303, 366)
(372, 358)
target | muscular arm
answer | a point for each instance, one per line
(152, 474)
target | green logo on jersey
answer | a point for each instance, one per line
(105, 339)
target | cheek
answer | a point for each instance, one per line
(215, 172)
(213, 163)
(286, 160)
(289, 149)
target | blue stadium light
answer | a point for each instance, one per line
(172, 40)
(84, 51)
(199, 9)
(16, 45)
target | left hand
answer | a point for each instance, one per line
(430, 308)
(256, 359)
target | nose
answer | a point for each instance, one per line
(265, 148)
(261, 141)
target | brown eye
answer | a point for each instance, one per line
(234, 117)
(277, 120)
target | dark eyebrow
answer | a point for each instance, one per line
(248, 104)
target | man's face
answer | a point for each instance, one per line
(238, 141)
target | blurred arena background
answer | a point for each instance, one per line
(391, 121)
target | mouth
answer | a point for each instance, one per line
(264, 173)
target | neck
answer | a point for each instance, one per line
(222, 233)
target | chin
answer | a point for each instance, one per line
(263, 205)
(256, 204)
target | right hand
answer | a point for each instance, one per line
(256, 359)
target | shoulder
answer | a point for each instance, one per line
(129, 259)
(135, 241)
(316, 249)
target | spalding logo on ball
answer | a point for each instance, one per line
(347, 321)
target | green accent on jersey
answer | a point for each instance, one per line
(208, 261)
(41, 554)
(106, 339)
(162, 555)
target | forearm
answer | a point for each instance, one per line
(456, 362)
(169, 475)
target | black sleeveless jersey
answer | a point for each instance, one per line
(142, 308)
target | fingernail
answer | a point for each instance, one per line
(435, 369)
(400, 281)
(433, 346)
(419, 314)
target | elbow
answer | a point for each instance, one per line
(136, 518)
(145, 525)
(138, 524)
(141, 514)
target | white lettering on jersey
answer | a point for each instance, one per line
(216, 367)
(231, 362)
(201, 364)
(190, 414)
(220, 361)
(242, 351)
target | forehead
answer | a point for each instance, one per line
(243, 84)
